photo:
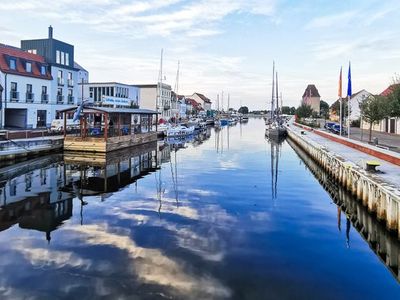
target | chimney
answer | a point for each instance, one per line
(50, 32)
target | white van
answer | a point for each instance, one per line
(58, 124)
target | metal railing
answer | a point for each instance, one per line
(70, 99)
(60, 81)
(45, 98)
(14, 96)
(70, 82)
(98, 131)
(30, 97)
(60, 98)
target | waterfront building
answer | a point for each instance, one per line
(312, 97)
(60, 58)
(388, 124)
(110, 94)
(183, 107)
(203, 100)
(155, 98)
(355, 101)
(193, 107)
(27, 81)
(174, 105)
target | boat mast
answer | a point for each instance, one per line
(229, 99)
(158, 100)
(273, 87)
(277, 98)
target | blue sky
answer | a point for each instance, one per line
(222, 45)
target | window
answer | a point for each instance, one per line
(62, 58)
(29, 67)
(58, 57)
(13, 86)
(60, 74)
(44, 90)
(33, 51)
(70, 92)
(29, 88)
(67, 59)
(13, 64)
(59, 91)
(43, 70)
(69, 76)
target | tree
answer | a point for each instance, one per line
(394, 99)
(285, 110)
(244, 110)
(292, 110)
(324, 109)
(304, 111)
(373, 110)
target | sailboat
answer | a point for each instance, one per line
(275, 128)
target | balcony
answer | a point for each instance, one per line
(60, 99)
(70, 82)
(60, 81)
(30, 97)
(45, 98)
(167, 107)
(14, 96)
(70, 99)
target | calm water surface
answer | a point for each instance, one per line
(226, 215)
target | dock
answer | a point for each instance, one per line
(345, 162)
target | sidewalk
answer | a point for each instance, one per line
(389, 172)
(384, 139)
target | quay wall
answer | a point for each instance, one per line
(381, 198)
(380, 153)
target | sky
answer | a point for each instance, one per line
(222, 45)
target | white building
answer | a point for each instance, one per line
(26, 101)
(112, 94)
(355, 101)
(203, 100)
(155, 98)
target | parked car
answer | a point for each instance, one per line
(336, 129)
(58, 124)
(329, 125)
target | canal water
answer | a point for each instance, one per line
(223, 215)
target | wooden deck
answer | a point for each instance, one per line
(100, 145)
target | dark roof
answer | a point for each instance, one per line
(390, 89)
(110, 110)
(204, 98)
(22, 57)
(311, 91)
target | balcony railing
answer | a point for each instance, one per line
(60, 99)
(60, 81)
(70, 82)
(14, 96)
(30, 97)
(167, 106)
(45, 98)
(70, 99)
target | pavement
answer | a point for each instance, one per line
(388, 172)
(392, 141)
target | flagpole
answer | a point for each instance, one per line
(349, 92)
(340, 101)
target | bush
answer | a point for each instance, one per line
(355, 123)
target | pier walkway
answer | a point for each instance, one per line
(387, 171)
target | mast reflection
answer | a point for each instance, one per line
(276, 146)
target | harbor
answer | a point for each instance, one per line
(176, 228)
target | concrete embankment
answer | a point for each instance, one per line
(22, 148)
(380, 196)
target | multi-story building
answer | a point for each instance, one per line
(60, 58)
(112, 94)
(156, 97)
(312, 98)
(355, 101)
(27, 81)
(203, 100)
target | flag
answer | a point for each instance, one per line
(340, 84)
(349, 93)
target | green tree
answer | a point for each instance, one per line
(243, 110)
(373, 110)
(285, 110)
(292, 110)
(304, 111)
(394, 99)
(324, 109)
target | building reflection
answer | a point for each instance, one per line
(384, 243)
(39, 195)
(31, 196)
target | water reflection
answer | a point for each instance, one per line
(384, 244)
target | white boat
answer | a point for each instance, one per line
(180, 130)
(163, 127)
